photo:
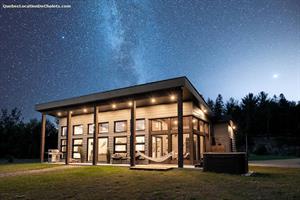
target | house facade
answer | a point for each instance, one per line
(160, 122)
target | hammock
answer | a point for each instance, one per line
(160, 159)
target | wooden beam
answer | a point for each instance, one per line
(180, 127)
(43, 133)
(132, 133)
(95, 136)
(69, 137)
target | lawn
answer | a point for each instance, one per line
(106, 182)
(269, 157)
(6, 168)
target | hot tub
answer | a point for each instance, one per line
(231, 162)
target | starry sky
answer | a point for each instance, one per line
(228, 47)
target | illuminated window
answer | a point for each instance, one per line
(140, 125)
(63, 146)
(91, 128)
(77, 147)
(78, 129)
(195, 124)
(120, 145)
(159, 125)
(120, 126)
(63, 131)
(186, 123)
(140, 143)
(103, 127)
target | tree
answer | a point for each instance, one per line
(219, 107)
(210, 104)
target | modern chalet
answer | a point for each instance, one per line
(165, 122)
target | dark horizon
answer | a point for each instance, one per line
(228, 48)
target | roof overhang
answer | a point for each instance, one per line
(137, 92)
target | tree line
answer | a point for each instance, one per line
(22, 140)
(261, 116)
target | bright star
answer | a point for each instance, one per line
(63, 37)
(275, 75)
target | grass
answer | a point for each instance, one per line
(106, 182)
(6, 168)
(269, 157)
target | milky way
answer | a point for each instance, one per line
(227, 47)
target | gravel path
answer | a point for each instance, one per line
(36, 171)
(284, 163)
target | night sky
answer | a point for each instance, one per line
(227, 47)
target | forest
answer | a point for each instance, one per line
(270, 124)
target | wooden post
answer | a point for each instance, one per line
(43, 133)
(132, 133)
(180, 127)
(198, 148)
(191, 136)
(69, 137)
(95, 140)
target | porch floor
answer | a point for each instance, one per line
(158, 167)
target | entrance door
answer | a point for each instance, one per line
(102, 149)
(157, 146)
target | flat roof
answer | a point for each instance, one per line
(125, 92)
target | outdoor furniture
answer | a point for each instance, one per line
(119, 157)
(54, 155)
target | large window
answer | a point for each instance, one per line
(140, 125)
(63, 146)
(186, 123)
(140, 143)
(91, 128)
(78, 129)
(159, 125)
(77, 147)
(103, 127)
(120, 126)
(63, 131)
(120, 145)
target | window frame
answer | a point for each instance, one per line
(120, 144)
(63, 145)
(74, 129)
(140, 143)
(144, 124)
(115, 122)
(161, 129)
(99, 127)
(61, 129)
(89, 128)
(76, 145)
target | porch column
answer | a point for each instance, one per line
(95, 140)
(180, 127)
(69, 139)
(43, 133)
(198, 147)
(191, 136)
(132, 133)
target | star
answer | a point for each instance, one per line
(63, 37)
(275, 76)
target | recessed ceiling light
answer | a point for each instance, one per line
(194, 120)
(59, 114)
(153, 100)
(172, 97)
(85, 110)
(71, 112)
(114, 106)
(130, 103)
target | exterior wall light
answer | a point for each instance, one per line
(130, 103)
(59, 114)
(85, 110)
(153, 100)
(114, 106)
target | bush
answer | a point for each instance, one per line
(260, 150)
